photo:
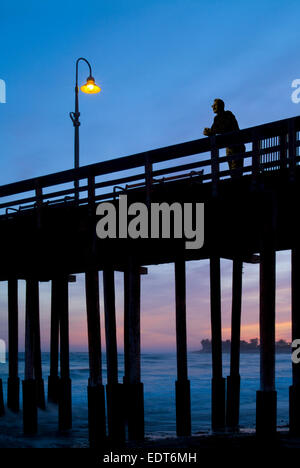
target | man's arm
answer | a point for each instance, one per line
(213, 130)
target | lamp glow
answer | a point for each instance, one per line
(90, 86)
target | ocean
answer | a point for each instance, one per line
(158, 376)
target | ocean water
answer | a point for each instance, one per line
(158, 376)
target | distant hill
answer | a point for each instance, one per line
(252, 346)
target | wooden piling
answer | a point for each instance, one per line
(65, 389)
(266, 398)
(114, 391)
(53, 379)
(126, 345)
(233, 380)
(2, 410)
(126, 327)
(218, 382)
(38, 375)
(29, 384)
(134, 387)
(294, 391)
(96, 395)
(13, 382)
(182, 386)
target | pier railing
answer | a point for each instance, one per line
(270, 147)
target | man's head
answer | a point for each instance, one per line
(218, 106)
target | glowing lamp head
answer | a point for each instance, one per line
(90, 86)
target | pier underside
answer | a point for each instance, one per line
(62, 237)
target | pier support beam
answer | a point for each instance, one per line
(233, 380)
(182, 386)
(294, 410)
(38, 375)
(114, 393)
(65, 389)
(13, 382)
(53, 379)
(96, 395)
(218, 382)
(2, 411)
(134, 389)
(266, 399)
(30, 417)
(126, 344)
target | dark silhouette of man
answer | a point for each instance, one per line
(225, 122)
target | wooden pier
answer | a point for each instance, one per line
(49, 234)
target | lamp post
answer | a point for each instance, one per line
(89, 87)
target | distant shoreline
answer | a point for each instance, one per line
(246, 347)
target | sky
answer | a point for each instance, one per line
(160, 64)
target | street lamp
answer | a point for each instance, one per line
(89, 87)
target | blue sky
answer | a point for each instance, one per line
(160, 64)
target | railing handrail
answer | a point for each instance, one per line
(147, 158)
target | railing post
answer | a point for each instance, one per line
(39, 203)
(91, 192)
(148, 179)
(292, 149)
(255, 160)
(215, 166)
(283, 150)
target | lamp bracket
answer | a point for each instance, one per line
(74, 116)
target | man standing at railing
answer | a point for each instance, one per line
(225, 122)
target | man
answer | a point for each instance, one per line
(225, 122)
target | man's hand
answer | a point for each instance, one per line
(207, 131)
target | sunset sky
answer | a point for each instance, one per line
(160, 64)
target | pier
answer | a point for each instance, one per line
(48, 233)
